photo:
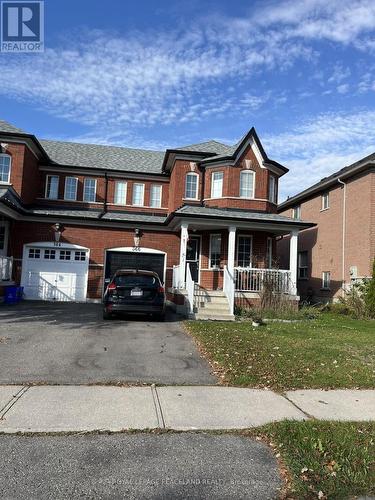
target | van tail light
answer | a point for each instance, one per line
(111, 287)
(161, 289)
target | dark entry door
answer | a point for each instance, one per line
(193, 250)
(134, 260)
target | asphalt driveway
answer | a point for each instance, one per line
(71, 344)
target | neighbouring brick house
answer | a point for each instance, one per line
(204, 216)
(341, 248)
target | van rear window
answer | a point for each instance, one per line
(140, 280)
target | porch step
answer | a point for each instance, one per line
(216, 301)
(214, 317)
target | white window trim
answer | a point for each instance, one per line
(143, 195)
(209, 251)
(126, 193)
(10, 167)
(329, 284)
(212, 184)
(75, 197)
(197, 189)
(84, 183)
(161, 195)
(296, 210)
(322, 208)
(46, 189)
(241, 174)
(251, 248)
(272, 194)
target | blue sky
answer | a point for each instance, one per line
(168, 73)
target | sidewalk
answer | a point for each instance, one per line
(109, 408)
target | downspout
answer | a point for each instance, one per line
(105, 208)
(343, 236)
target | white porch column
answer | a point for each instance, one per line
(183, 245)
(293, 256)
(231, 248)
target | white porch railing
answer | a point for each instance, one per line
(6, 266)
(252, 279)
(229, 288)
(190, 286)
(176, 281)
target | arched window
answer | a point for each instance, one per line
(5, 163)
(247, 181)
(191, 186)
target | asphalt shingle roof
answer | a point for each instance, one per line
(236, 214)
(208, 147)
(111, 157)
(8, 127)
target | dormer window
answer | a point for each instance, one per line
(5, 161)
(247, 178)
(217, 184)
(191, 186)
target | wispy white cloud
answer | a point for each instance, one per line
(316, 148)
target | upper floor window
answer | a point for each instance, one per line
(217, 184)
(5, 161)
(247, 178)
(325, 201)
(70, 188)
(120, 193)
(89, 190)
(52, 187)
(191, 186)
(272, 189)
(296, 212)
(215, 251)
(155, 196)
(138, 194)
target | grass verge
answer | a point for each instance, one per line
(331, 351)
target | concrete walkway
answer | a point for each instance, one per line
(110, 408)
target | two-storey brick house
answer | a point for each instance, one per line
(203, 216)
(341, 248)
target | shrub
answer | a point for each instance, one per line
(370, 294)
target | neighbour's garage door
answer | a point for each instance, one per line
(134, 260)
(55, 273)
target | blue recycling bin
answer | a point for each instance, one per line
(13, 294)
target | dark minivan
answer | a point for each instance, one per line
(134, 291)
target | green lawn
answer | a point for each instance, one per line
(332, 351)
(336, 459)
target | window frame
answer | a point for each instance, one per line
(296, 212)
(115, 193)
(244, 173)
(142, 204)
(269, 252)
(210, 266)
(325, 196)
(63, 254)
(300, 267)
(160, 195)
(190, 174)
(6, 155)
(50, 176)
(4, 248)
(49, 254)
(250, 236)
(220, 172)
(34, 253)
(66, 180)
(272, 193)
(84, 189)
(326, 284)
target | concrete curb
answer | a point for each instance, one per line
(43, 409)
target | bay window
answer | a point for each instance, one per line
(5, 161)
(217, 184)
(191, 186)
(247, 178)
(272, 189)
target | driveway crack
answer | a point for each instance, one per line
(13, 401)
(158, 409)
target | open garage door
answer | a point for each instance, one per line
(146, 259)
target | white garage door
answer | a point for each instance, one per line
(55, 273)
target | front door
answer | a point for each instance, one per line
(192, 256)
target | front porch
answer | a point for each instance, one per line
(222, 267)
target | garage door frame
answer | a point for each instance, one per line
(134, 250)
(56, 246)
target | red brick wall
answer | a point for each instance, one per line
(177, 184)
(24, 175)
